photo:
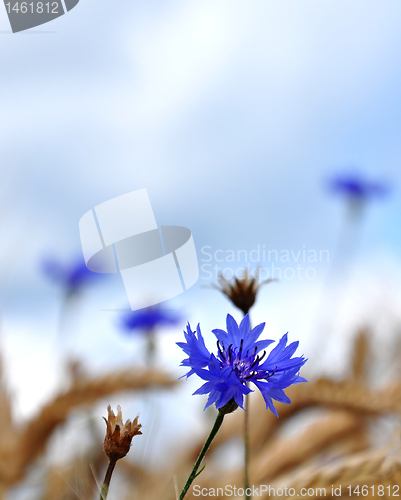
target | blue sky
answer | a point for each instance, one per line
(233, 114)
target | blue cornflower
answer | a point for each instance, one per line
(73, 277)
(149, 318)
(239, 360)
(146, 321)
(356, 188)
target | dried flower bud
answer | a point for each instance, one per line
(118, 435)
(242, 291)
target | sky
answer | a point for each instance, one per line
(234, 115)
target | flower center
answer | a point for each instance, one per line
(243, 363)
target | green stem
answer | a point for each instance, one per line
(192, 476)
(246, 446)
(106, 483)
(150, 348)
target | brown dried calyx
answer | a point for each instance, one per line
(242, 291)
(118, 438)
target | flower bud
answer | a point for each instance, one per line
(242, 291)
(228, 407)
(118, 438)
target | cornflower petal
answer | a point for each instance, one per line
(222, 336)
(252, 336)
(279, 365)
(195, 348)
(244, 327)
(232, 330)
(262, 344)
(298, 379)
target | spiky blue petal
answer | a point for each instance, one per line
(194, 347)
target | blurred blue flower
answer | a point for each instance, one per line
(238, 362)
(72, 277)
(150, 318)
(357, 188)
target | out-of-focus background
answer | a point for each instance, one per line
(237, 117)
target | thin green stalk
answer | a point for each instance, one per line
(208, 442)
(106, 483)
(246, 446)
(150, 348)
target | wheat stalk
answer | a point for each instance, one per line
(366, 468)
(31, 440)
